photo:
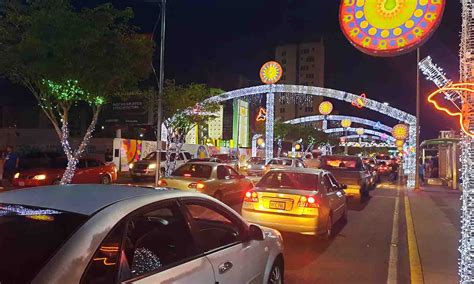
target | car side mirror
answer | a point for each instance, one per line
(255, 233)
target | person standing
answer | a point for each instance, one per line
(10, 166)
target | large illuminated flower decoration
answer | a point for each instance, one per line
(325, 108)
(271, 72)
(400, 131)
(463, 90)
(389, 27)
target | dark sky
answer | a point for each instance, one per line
(209, 37)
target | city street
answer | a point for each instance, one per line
(373, 244)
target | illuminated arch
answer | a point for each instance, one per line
(353, 119)
(354, 130)
(271, 90)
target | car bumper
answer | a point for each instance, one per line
(307, 225)
(142, 173)
(352, 191)
(20, 183)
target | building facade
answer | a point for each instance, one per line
(303, 64)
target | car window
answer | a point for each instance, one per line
(275, 162)
(328, 184)
(299, 164)
(93, 163)
(180, 157)
(289, 180)
(187, 155)
(81, 164)
(193, 170)
(232, 172)
(286, 162)
(333, 179)
(155, 241)
(103, 268)
(222, 172)
(29, 237)
(216, 228)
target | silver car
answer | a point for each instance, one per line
(111, 234)
(284, 163)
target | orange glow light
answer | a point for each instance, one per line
(400, 132)
(463, 88)
(262, 114)
(360, 102)
(104, 260)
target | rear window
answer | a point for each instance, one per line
(275, 162)
(341, 163)
(152, 156)
(282, 180)
(29, 238)
(193, 170)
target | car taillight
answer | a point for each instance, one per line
(251, 196)
(197, 185)
(162, 182)
(308, 201)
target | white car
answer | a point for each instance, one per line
(112, 234)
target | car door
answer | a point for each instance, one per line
(94, 171)
(225, 182)
(333, 199)
(154, 245)
(81, 172)
(341, 197)
(222, 239)
(238, 184)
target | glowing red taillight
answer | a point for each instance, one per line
(197, 185)
(162, 182)
(251, 196)
(308, 201)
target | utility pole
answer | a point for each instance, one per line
(417, 155)
(160, 92)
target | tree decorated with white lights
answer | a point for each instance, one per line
(68, 58)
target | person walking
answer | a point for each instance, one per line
(422, 173)
(10, 165)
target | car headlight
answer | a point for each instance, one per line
(249, 166)
(131, 166)
(152, 166)
(17, 175)
(39, 177)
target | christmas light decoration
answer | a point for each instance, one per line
(262, 114)
(400, 131)
(346, 123)
(399, 143)
(354, 130)
(271, 72)
(348, 120)
(391, 27)
(269, 123)
(360, 131)
(360, 101)
(325, 108)
(365, 144)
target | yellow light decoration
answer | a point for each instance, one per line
(298, 147)
(271, 72)
(389, 27)
(346, 123)
(260, 141)
(360, 131)
(325, 108)
(399, 143)
(400, 131)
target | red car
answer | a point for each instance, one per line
(88, 171)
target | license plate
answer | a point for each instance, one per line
(21, 183)
(277, 205)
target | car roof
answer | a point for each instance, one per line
(81, 199)
(300, 170)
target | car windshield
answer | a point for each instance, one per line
(224, 157)
(58, 164)
(152, 156)
(256, 161)
(341, 163)
(194, 171)
(29, 238)
(297, 181)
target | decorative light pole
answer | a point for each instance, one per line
(346, 123)
(325, 108)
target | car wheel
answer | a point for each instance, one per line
(276, 274)
(218, 195)
(105, 180)
(328, 234)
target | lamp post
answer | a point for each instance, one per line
(160, 79)
(346, 123)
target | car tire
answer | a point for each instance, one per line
(218, 195)
(105, 179)
(276, 275)
(328, 234)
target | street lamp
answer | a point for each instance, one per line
(160, 81)
(346, 123)
(325, 108)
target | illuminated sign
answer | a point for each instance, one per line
(262, 114)
(241, 130)
(360, 102)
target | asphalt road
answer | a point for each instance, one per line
(369, 248)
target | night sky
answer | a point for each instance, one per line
(218, 38)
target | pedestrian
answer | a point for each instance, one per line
(422, 172)
(10, 165)
(108, 156)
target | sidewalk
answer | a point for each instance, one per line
(436, 216)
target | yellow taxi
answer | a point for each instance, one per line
(215, 179)
(305, 201)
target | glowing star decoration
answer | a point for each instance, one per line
(271, 72)
(389, 27)
(360, 131)
(400, 131)
(262, 114)
(346, 123)
(378, 126)
(465, 90)
(360, 102)
(325, 108)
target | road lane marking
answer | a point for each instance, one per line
(416, 272)
(393, 259)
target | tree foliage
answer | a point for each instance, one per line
(65, 57)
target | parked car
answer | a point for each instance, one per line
(88, 170)
(349, 170)
(215, 179)
(255, 166)
(305, 201)
(118, 234)
(284, 163)
(146, 168)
